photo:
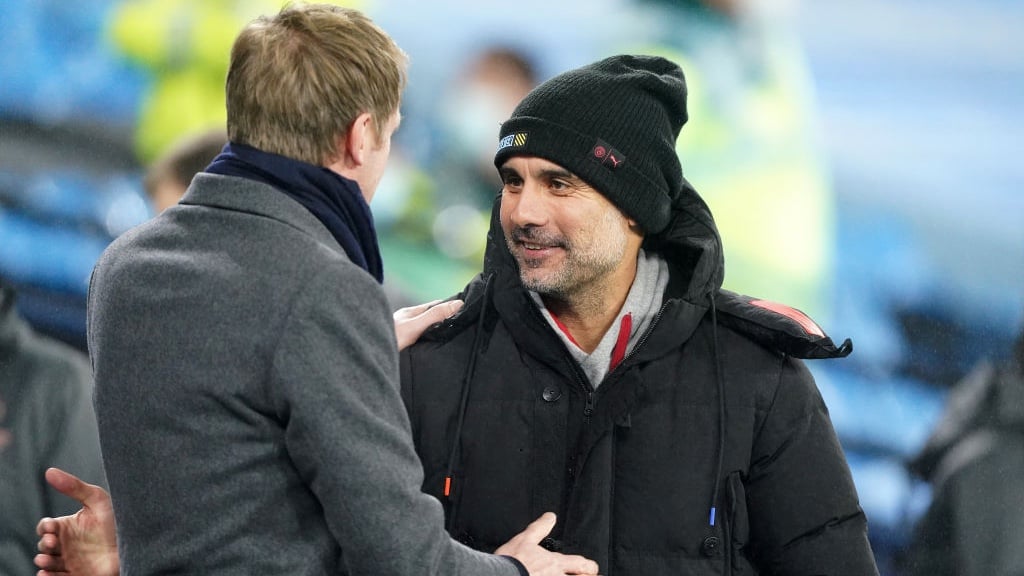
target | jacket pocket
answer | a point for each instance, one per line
(739, 525)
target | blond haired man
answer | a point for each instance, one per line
(245, 360)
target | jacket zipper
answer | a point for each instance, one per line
(586, 387)
(589, 391)
(639, 344)
(588, 410)
(611, 519)
(647, 333)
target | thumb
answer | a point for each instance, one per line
(73, 487)
(539, 528)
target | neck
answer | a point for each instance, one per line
(588, 312)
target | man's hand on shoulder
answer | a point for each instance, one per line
(410, 322)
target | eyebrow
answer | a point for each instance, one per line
(562, 173)
(547, 173)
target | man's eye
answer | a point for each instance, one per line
(559, 185)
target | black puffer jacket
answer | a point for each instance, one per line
(638, 471)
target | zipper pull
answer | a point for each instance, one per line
(589, 408)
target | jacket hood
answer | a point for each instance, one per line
(692, 247)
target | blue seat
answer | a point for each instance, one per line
(53, 258)
(891, 416)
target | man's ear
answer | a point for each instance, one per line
(358, 140)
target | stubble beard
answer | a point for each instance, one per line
(579, 276)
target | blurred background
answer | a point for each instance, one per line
(860, 159)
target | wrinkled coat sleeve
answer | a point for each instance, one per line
(348, 434)
(803, 506)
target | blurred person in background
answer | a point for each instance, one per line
(245, 360)
(46, 419)
(482, 96)
(169, 176)
(183, 46)
(753, 141)
(974, 462)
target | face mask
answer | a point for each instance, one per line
(472, 120)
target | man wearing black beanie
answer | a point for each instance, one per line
(599, 370)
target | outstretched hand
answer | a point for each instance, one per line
(526, 548)
(83, 544)
(412, 321)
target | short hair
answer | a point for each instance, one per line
(184, 159)
(508, 62)
(297, 80)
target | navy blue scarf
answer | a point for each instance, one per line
(334, 200)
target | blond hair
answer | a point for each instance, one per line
(297, 80)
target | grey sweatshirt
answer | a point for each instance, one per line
(642, 304)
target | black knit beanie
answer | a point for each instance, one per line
(613, 123)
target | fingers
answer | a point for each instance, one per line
(411, 322)
(579, 565)
(539, 528)
(411, 311)
(526, 548)
(439, 312)
(430, 312)
(49, 564)
(49, 544)
(46, 526)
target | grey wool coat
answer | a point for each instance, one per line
(247, 399)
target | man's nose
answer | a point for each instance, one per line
(530, 207)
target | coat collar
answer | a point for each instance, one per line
(244, 195)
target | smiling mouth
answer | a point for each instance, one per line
(533, 250)
(532, 245)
